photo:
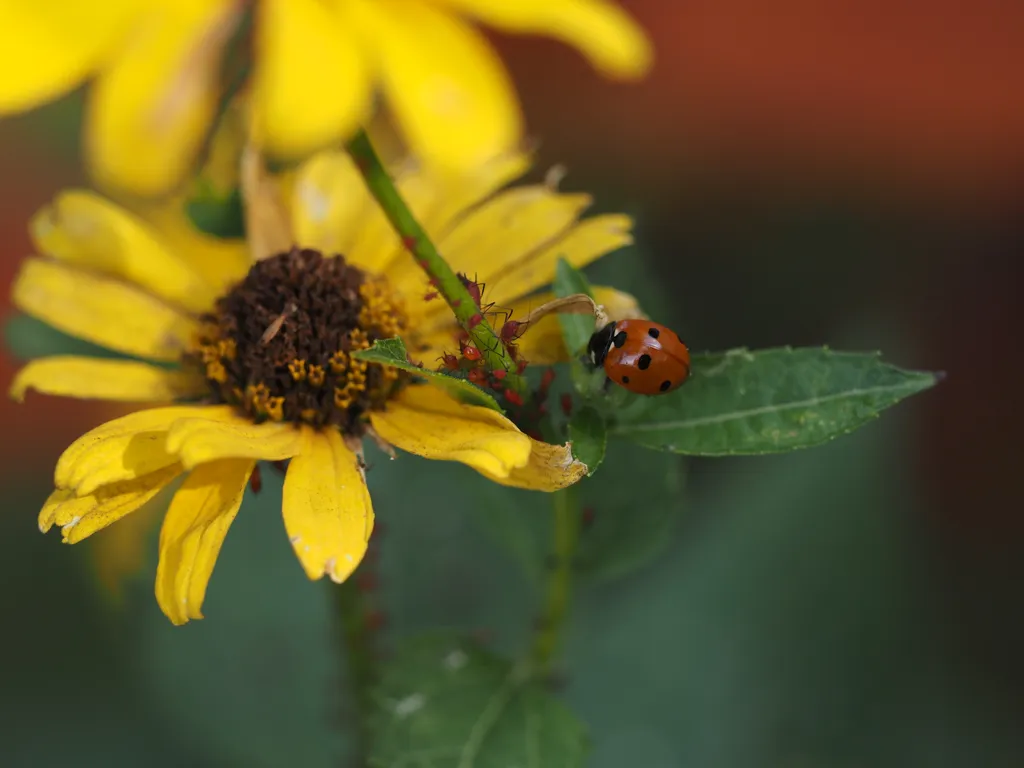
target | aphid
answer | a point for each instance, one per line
(546, 380)
(475, 289)
(471, 353)
(513, 397)
(510, 331)
(478, 376)
(566, 403)
(475, 320)
(449, 361)
(430, 295)
(644, 357)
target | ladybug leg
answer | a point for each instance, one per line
(607, 385)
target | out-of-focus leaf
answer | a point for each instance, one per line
(769, 401)
(446, 702)
(28, 338)
(393, 352)
(631, 511)
(218, 214)
(576, 329)
(587, 433)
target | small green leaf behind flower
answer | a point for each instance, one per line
(392, 352)
(576, 329)
(216, 213)
(588, 434)
(769, 401)
(27, 338)
(445, 702)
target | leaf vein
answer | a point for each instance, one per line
(759, 411)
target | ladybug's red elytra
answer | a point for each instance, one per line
(644, 357)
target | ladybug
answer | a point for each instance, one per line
(644, 357)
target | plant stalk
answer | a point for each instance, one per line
(558, 587)
(415, 239)
(357, 651)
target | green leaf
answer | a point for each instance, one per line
(392, 352)
(444, 702)
(588, 435)
(576, 329)
(768, 401)
(637, 503)
(28, 338)
(217, 214)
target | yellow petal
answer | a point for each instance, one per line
(102, 310)
(122, 449)
(220, 262)
(329, 203)
(473, 187)
(542, 342)
(46, 49)
(426, 421)
(585, 243)
(327, 509)
(503, 232)
(449, 91)
(92, 378)
(150, 110)
(84, 230)
(194, 529)
(613, 42)
(267, 226)
(80, 517)
(376, 243)
(225, 434)
(48, 514)
(311, 84)
(551, 468)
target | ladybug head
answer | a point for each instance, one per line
(599, 344)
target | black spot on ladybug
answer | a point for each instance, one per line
(653, 333)
(665, 385)
(644, 362)
(625, 379)
(619, 339)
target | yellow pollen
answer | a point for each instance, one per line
(215, 370)
(275, 408)
(227, 348)
(297, 368)
(383, 311)
(357, 339)
(316, 375)
(339, 362)
(257, 395)
(342, 398)
(208, 353)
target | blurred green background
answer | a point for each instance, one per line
(844, 173)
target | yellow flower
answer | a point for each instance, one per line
(256, 356)
(155, 67)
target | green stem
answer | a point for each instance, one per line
(351, 611)
(558, 588)
(416, 240)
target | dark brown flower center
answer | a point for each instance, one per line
(279, 345)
